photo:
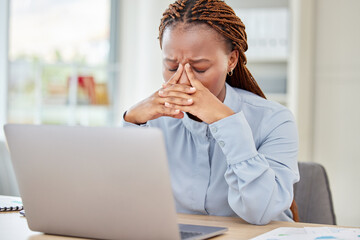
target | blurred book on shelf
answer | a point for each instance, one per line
(267, 32)
(91, 93)
(56, 94)
(86, 90)
(101, 93)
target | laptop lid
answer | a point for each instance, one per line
(109, 183)
(97, 182)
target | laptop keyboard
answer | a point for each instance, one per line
(186, 235)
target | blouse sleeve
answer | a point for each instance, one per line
(260, 178)
(124, 123)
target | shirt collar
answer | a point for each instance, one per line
(232, 98)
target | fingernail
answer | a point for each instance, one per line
(167, 104)
(161, 92)
(192, 89)
(187, 65)
(189, 100)
(176, 111)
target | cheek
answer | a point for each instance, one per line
(166, 75)
(214, 81)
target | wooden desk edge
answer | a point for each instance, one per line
(13, 225)
(240, 229)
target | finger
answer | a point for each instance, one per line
(191, 76)
(181, 92)
(179, 115)
(175, 78)
(177, 101)
(172, 102)
(181, 108)
(180, 88)
(168, 111)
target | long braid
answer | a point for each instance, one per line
(221, 17)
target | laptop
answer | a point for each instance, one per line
(97, 182)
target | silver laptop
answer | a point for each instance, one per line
(97, 182)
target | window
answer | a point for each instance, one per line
(60, 71)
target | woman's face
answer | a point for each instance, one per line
(204, 49)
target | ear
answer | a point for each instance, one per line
(233, 60)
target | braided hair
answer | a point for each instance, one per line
(221, 17)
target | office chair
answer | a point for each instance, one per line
(313, 196)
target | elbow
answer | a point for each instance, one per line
(259, 221)
(251, 212)
(254, 218)
(256, 211)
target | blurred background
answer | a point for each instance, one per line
(86, 61)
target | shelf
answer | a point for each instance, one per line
(257, 3)
(89, 115)
(255, 60)
(82, 107)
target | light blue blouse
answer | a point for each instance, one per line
(244, 165)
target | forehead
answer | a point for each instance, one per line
(192, 41)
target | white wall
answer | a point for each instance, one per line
(4, 19)
(301, 68)
(140, 54)
(8, 184)
(337, 100)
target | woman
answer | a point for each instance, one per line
(231, 152)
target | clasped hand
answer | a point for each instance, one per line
(173, 99)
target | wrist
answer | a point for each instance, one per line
(223, 114)
(128, 117)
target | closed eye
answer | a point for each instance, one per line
(173, 70)
(199, 71)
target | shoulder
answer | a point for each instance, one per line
(261, 113)
(251, 102)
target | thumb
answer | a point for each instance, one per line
(175, 78)
(191, 76)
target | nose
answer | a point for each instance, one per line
(184, 79)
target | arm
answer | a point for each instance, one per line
(260, 180)
(124, 123)
(156, 106)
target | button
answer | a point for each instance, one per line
(214, 129)
(221, 143)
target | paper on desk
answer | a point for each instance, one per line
(311, 233)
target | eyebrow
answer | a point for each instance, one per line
(191, 61)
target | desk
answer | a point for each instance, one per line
(14, 226)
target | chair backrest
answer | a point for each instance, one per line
(313, 196)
